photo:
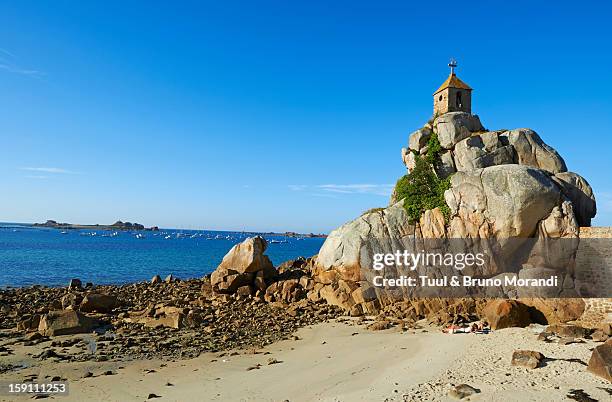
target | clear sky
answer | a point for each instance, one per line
(279, 115)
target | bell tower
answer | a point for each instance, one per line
(453, 95)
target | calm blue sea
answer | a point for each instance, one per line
(46, 256)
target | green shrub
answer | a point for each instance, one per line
(434, 149)
(422, 189)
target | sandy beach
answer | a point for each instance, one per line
(339, 361)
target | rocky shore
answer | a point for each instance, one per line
(241, 313)
(166, 320)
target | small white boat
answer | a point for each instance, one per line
(167, 237)
(140, 236)
(63, 232)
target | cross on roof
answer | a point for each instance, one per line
(452, 65)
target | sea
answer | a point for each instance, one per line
(46, 256)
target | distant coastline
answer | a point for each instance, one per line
(295, 234)
(119, 225)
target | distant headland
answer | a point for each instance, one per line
(119, 225)
(295, 234)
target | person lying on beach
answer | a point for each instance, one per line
(475, 327)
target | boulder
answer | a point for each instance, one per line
(287, 291)
(506, 313)
(173, 320)
(600, 362)
(156, 279)
(245, 290)
(446, 166)
(71, 300)
(170, 278)
(207, 290)
(99, 303)
(30, 323)
(526, 358)
(568, 330)
(455, 126)
(532, 151)
(379, 325)
(580, 193)
(228, 280)
(75, 284)
(167, 317)
(246, 265)
(409, 159)
(605, 327)
(349, 249)
(419, 138)
(555, 310)
(471, 153)
(247, 256)
(500, 201)
(339, 294)
(599, 336)
(66, 322)
(293, 265)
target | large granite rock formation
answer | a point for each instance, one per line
(505, 185)
(245, 265)
(247, 271)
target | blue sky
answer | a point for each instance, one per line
(276, 115)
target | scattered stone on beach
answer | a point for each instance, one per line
(49, 354)
(100, 303)
(579, 395)
(599, 336)
(568, 330)
(462, 391)
(174, 320)
(34, 336)
(526, 358)
(66, 322)
(75, 284)
(545, 336)
(71, 300)
(170, 278)
(606, 328)
(29, 323)
(156, 279)
(567, 340)
(379, 325)
(600, 363)
(506, 313)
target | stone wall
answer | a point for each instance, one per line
(445, 101)
(596, 310)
